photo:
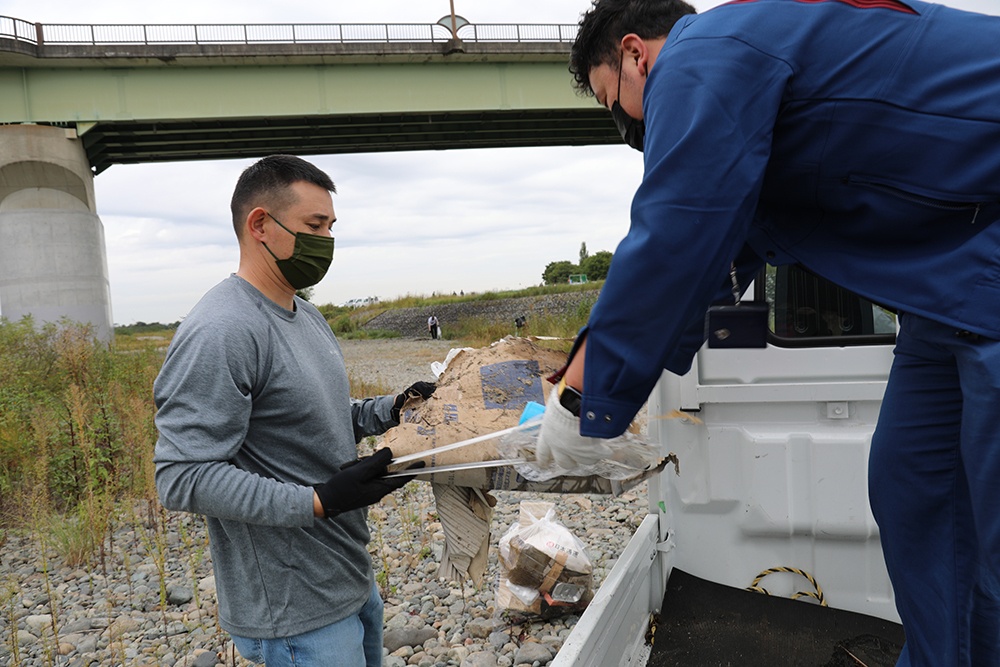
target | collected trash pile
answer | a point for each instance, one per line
(481, 392)
(544, 568)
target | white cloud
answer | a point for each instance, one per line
(408, 223)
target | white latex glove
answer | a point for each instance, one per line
(559, 439)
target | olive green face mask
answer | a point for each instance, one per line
(310, 258)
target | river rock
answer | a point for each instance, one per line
(38, 623)
(532, 652)
(178, 595)
(480, 628)
(480, 659)
(399, 637)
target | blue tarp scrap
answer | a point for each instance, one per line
(510, 385)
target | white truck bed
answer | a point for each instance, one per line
(773, 460)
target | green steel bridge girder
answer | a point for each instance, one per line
(130, 114)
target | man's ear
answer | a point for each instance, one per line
(636, 49)
(254, 223)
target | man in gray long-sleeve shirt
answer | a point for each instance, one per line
(256, 425)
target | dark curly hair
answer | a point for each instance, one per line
(266, 183)
(607, 21)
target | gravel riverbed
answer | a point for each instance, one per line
(150, 600)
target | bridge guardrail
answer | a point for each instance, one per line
(18, 29)
(278, 33)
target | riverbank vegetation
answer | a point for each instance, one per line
(470, 331)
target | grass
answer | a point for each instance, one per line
(362, 387)
(73, 538)
(347, 323)
(9, 591)
(413, 301)
(538, 290)
(478, 332)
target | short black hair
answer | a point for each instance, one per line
(607, 21)
(266, 183)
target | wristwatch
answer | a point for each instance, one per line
(569, 398)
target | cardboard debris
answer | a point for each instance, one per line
(482, 391)
(465, 518)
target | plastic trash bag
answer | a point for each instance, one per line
(544, 568)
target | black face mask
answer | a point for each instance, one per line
(633, 130)
(310, 260)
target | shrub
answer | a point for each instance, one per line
(76, 421)
(343, 324)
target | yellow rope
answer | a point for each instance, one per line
(654, 620)
(817, 595)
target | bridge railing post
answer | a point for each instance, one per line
(39, 34)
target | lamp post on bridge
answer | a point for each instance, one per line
(453, 22)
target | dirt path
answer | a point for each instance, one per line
(395, 363)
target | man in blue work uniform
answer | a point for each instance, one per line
(861, 139)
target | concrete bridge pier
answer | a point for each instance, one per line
(53, 263)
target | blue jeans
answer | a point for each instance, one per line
(934, 485)
(355, 641)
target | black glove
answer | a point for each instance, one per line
(416, 390)
(360, 483)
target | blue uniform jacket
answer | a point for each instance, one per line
(860, 138)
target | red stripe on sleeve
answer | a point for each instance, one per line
(895, 5)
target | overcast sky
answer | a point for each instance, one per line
(408, 223)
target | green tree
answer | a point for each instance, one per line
(583, 253)
(305, 293)
(596, 266)
(557, 273)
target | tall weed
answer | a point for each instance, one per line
(365, 388)
(76, 430)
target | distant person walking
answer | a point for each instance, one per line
(433, 327)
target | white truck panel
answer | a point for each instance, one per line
(612, 630)
(775, 473)
(773, 462)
